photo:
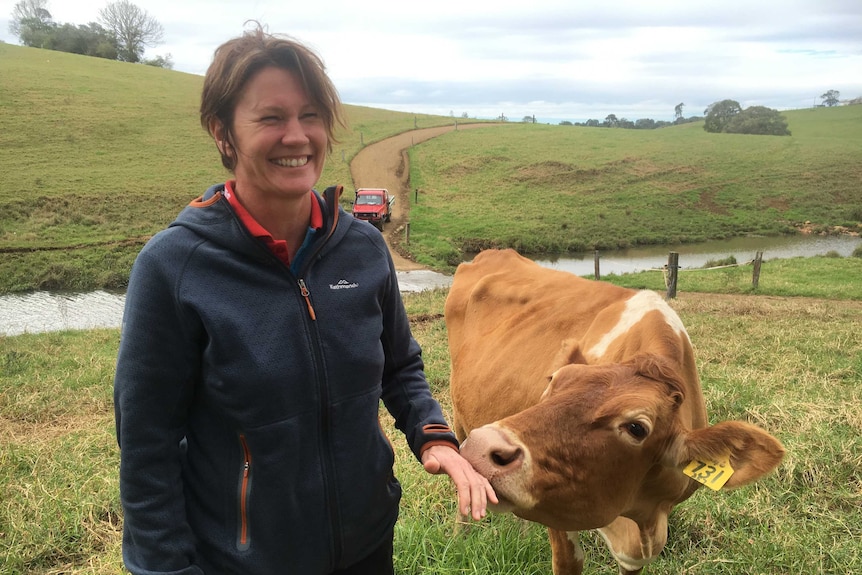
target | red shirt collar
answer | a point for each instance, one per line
(315, 219)
(278, 247)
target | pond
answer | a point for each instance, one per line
(49, 311)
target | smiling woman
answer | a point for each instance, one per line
(261, 330)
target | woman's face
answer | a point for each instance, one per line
(279, 136)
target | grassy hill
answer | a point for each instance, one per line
(104, 154)
(98, 155)
(554, 189)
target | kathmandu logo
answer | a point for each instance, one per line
(344, 284)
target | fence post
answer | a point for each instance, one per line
(407, 233)
(672, 269)
(416, 196)
(596, 266)
(755, 276)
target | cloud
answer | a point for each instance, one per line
(562, 59)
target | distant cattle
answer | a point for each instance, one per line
(581, 403)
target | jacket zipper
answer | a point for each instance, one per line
(245, 480)
(303, 289)
(326, 454)
(325, 451)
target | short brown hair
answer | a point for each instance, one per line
(236, 61)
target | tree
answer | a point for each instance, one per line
(27, 13)
(32, 23)
(645, 124)
(166, 61)
(611, 121)
(758, 120)
(89, 40)
(677, 112)
(134, 29)
(718, 114)
(830, 98)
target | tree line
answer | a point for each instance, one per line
(611, 121)
(726, 116)
(123, 32)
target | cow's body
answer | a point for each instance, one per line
(583, 404)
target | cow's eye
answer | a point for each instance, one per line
(637, 430)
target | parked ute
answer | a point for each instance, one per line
(373, 205)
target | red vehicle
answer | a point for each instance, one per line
(373, 205)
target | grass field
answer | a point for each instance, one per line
(554, 189)
(791, 365)
(103, 154)
(99, 155)
(834, 278)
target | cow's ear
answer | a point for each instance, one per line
(750, 451)
(570, 352)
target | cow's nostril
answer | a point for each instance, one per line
(505, 457)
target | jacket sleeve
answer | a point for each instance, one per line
(153, 386)
(405, 390)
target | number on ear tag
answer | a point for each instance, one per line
(713, 474)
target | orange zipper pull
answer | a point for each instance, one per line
(303, 289)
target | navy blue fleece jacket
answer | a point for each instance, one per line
(247, 396)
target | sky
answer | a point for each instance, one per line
(553, 59)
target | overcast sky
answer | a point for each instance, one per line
(555, 59)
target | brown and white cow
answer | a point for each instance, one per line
(583, 406)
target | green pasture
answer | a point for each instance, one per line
(99, 155)
(556, 189)
(833, 278)
(791, 365)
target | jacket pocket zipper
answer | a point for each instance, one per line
(244, 488)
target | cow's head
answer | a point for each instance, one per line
(608, 440)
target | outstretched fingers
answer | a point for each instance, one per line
(474, 491)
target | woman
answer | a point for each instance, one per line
(261, 330)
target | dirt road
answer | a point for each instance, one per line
(384, 165)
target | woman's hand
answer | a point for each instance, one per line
(474, 491)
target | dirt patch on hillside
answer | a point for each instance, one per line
(384, 164)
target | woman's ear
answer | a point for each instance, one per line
(216, 128)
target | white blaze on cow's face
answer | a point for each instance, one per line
(576, 460)
(636, 308)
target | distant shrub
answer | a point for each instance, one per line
(857, 253)
(832, 254)
(758, 120)
(729, 117)
(728, 261)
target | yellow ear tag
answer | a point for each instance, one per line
(713, 474)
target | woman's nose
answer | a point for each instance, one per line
(294, 132)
